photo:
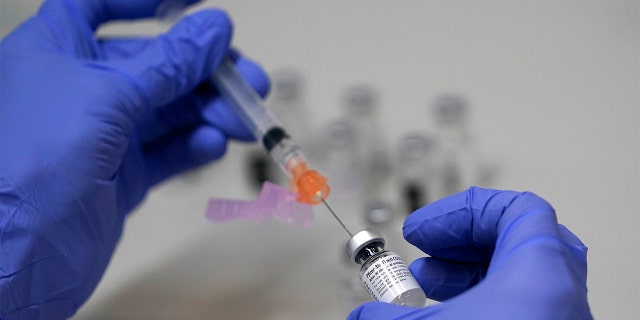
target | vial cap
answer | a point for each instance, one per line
(378, 213)
(361, 240)
(361, 100)
(288, 83)
(450, 109)
(340, 134)
(416, 146)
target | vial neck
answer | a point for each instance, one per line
(369, 251)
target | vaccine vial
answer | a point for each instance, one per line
(383, 273)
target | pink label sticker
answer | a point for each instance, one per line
(274, 201)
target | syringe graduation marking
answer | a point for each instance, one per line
(335, 216)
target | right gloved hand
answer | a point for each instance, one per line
(494, 255)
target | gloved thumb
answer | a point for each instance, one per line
(388, 311)
(176, 62)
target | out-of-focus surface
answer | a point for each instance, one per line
(553, 93)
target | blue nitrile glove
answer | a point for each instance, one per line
(494, 255)
(87, 126)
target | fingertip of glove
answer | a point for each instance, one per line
(571, 238)
(380, 310)
(211, 30)
(492, 198)
(209, 18)
(358, 312)
(209, 144)
(422, 221)
(355, 314)
(416, 221)
(528, 197)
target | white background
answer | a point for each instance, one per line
(554, 91)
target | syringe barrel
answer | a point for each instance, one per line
(243, 99)
(288, 155)
(310, 186)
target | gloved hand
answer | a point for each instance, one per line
(87, 126)
(494, 255)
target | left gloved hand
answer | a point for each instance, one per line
(494, 255)
(87, 126)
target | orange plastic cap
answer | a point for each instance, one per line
(310, 186)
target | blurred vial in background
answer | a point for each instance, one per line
(455, 165)
(361, 111)
(260, 167)
(288, 102)
(416, 170)
(460, 165)
(381, 216)
(339, 160)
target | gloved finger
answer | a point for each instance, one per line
(220, 114)
(577, 249)
(468, 226)
(176, 62)
(59, 27)
(387, 311)
(441, 280)
(518, 232)
(96, 12)
(123, 48)
(570, 238)
(202, 106)
(184, 151)
(182, 115)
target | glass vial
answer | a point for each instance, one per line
(416, 170)
(362, 113)
(383, 273)
(260, 168)
(288, 100)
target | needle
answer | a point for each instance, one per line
(335, 216)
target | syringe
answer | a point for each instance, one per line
(310, 186)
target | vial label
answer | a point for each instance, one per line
(387, 277)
